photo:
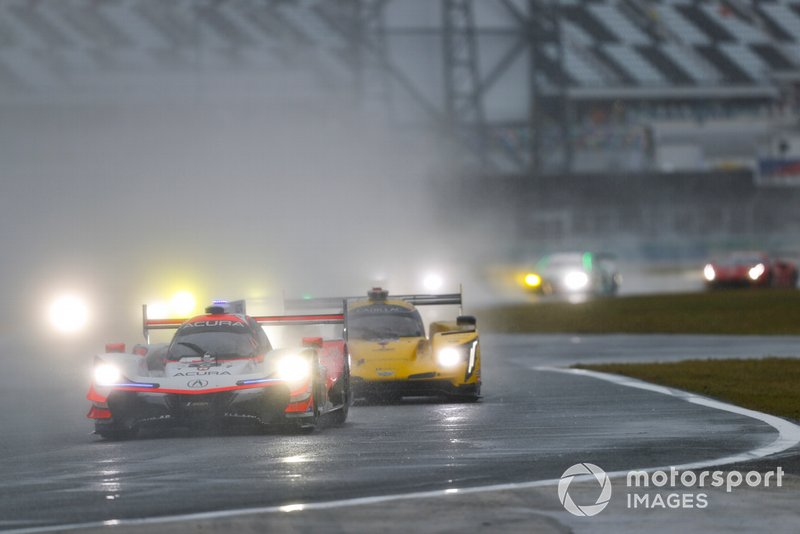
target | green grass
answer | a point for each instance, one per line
(751, 312)
(770, 385)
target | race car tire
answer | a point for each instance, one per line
(464, 399)
(307, 424)
(468, 395)
(342, 394)
(114, 431)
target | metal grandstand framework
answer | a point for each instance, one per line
(505, 79)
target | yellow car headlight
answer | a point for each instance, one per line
(449, 357)
(293, 368)
(106, 374)
(533, 280)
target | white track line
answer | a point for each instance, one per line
(788, 436)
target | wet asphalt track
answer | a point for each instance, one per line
(531, 425)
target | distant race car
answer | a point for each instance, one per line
(750, 269)
(220, 368)
(391, 356)
(574, 273)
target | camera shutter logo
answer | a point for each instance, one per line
(583, 470)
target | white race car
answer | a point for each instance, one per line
(220, 368)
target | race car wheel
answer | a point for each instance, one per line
(115, 431)
(464, 398)
(307, 424)
(341, 394)
(468, 395)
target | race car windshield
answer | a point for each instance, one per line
(385, 325)
(562, 261)
(217, 344)
(742, 259)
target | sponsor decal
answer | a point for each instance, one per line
(197, 384)
(215, 322)
(384, 372)
(380, 308)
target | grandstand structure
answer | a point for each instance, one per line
(537, 86)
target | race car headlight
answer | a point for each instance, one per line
(576, 280)
(709, 273)
(756, 272)
(293, 368)
(449, 357)
(533, 280)
(106, 374)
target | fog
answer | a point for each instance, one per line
(126, 198)
(130, 201)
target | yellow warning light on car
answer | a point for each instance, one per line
(533, 280)
(182, 304)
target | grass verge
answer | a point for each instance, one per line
(770, 385)
(743, 312)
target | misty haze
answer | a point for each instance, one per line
(537, 184)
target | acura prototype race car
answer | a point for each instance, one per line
(220, 368)
(392, 356)
(574, 273)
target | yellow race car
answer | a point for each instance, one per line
(391, 356)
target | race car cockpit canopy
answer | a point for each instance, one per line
(385, 320)
(220, 336)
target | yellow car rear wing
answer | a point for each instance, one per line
(340, 303)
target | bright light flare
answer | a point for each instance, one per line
(709, 273)
(533, 280)
(158, 310)
(294, 368)
(433, 282)
(182, 303)
(106, 374)
(576, 280)
(69, 314)
(756, 272)
(449, 357)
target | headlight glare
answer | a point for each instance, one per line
(756, 272)
(709, 273)
(576, 280)
(533, 280)
(106, 374)
(449, 357)
(293, 368)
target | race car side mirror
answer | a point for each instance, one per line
(467, 322)
(312, 342)
(115, 347)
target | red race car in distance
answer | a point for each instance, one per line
(750, 269)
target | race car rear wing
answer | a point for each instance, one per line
(264, 320)
(340, 303)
